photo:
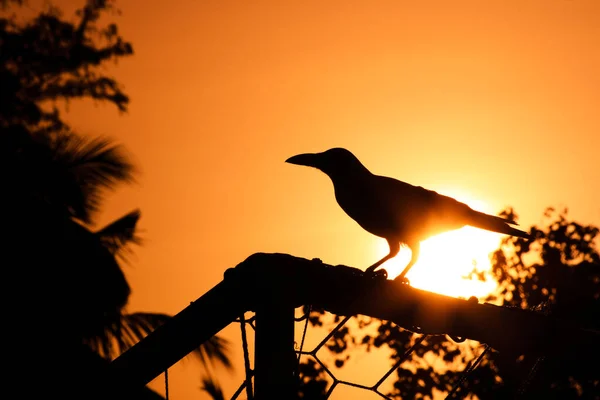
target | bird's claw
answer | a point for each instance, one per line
(376, 274)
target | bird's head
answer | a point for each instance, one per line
(334, 162)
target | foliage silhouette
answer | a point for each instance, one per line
(74, 291)
(313, 380)
(214, 391)
(558, 273)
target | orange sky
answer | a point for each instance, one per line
(496, 101)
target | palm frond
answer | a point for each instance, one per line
(214, 350)
(118, 235)
(62, 170)
(132, 328)
(119, 336)
(90, 166)
(136, 326)
(212, 388)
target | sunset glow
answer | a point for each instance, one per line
(494, 103)
(447, 259)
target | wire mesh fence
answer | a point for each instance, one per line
(276, 351)
(319, 374)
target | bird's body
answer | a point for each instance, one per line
(397, 211)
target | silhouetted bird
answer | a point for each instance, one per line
(396, 211)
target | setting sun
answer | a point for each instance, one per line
(447, 259)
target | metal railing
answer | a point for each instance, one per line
(274, 285)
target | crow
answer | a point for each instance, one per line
(394, 210)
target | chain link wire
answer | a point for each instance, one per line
(452, 394)
(376, 388)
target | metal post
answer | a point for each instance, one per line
(274, 357)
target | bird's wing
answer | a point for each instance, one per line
(417, 212)
(421, 213)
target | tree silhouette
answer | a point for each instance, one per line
(558, 273)
(72, 290)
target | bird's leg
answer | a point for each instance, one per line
(415, 250)
(394, 249)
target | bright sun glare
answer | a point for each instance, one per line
(447, 258)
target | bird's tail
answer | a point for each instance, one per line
(496, 224)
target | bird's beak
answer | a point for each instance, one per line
(308, 159)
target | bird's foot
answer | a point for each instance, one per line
(371, 269)
(376, 274)
(402, 279)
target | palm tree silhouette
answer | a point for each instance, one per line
(65, 292)
(77, 292)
